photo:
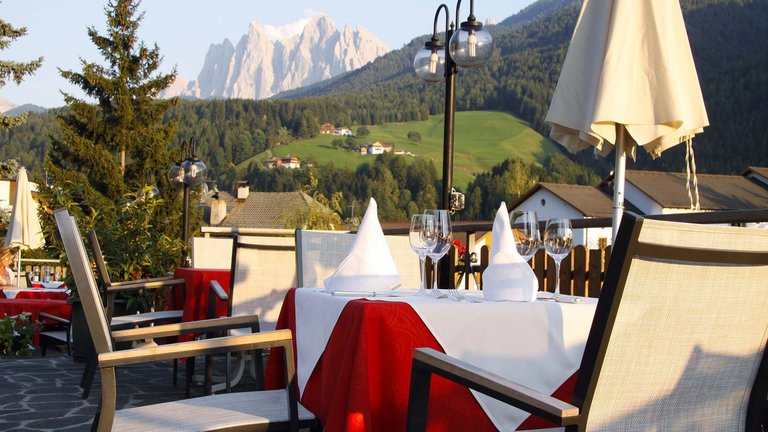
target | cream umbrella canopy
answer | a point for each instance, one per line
(24, 229)
(628, 80)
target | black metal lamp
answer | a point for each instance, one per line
(188, 172)
(471, 46)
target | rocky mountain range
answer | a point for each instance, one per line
(259, 67)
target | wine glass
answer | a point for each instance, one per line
(525, 227)
(442, 239)
(421, 225)
(558, 240)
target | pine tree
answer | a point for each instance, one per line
(121, 138)
(113, 142)
(13, 70)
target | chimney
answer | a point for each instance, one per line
(218, 211)
(242, 190)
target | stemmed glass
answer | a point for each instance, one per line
(442, 239)
(558, 240)
(525, 228)
(421, 226)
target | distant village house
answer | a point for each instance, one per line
(329, 129)
(378, 147)
(290, 162)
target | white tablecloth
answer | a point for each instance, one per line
(11, 292)
(537, 344)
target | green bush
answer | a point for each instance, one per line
(16, 333)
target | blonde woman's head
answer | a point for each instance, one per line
(6, 256)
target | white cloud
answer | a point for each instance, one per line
(295, 28)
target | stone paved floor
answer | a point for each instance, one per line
(43, 394)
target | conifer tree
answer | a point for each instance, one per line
(120, 139)
(15, 71)
(114, 141)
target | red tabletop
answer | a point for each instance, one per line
(362, 379)
(59, 308)
(195, 302)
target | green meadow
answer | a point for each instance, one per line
(482, 139)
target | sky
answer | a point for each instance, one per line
(184, 29)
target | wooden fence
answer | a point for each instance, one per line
(582, 272)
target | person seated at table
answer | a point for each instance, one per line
(6, 260)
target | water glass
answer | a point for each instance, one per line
(421, 242)
(525, 228)
(442, 238)
(558, 240)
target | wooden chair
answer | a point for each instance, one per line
(264, 410)
(263, 270)
(678, 340)
(109, 292)
(319, 253)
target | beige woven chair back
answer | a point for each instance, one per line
(319, 253)
(87, 290)
(263, 270)
(687, 324)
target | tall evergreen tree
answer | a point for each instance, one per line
(114, 142)
(120, 139)
(15, 71)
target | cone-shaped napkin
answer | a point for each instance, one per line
(369, 266)
(508, 276)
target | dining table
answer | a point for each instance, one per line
(354, 353)
(35, 293)
(194, 299)
(34, 306)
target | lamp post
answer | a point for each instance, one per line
(189, 172)
(471, 47)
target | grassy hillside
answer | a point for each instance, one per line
(482, 140)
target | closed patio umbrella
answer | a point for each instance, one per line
(628, 80)
(24, 229)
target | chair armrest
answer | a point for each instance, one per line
(430, 361)
(154, 283)
(218, 291)
(279, 338)
(53, 318)
(176, 329)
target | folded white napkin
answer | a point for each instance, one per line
(369, 265)
(508, 276)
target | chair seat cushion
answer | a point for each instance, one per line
(211, 413)
(145, 318)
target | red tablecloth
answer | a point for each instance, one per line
(362, 380)
(195, 301)
(59, 308)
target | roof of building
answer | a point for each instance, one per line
(716, 191)
(266, 209)
(760, 171)
(589, 201)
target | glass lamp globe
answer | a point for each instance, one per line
(472, 45)
(195, 172)
(429, 62)
(176, 176)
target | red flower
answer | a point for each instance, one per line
(460, 248)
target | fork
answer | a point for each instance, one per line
(455, 295)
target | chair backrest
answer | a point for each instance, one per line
(85, 283)
(104, 281)
(263, 270)
(319, 253)
(212, 252)
(679, 336)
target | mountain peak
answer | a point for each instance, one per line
(267, 61)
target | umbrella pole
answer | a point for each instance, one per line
(18, 269)
(619, 175)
